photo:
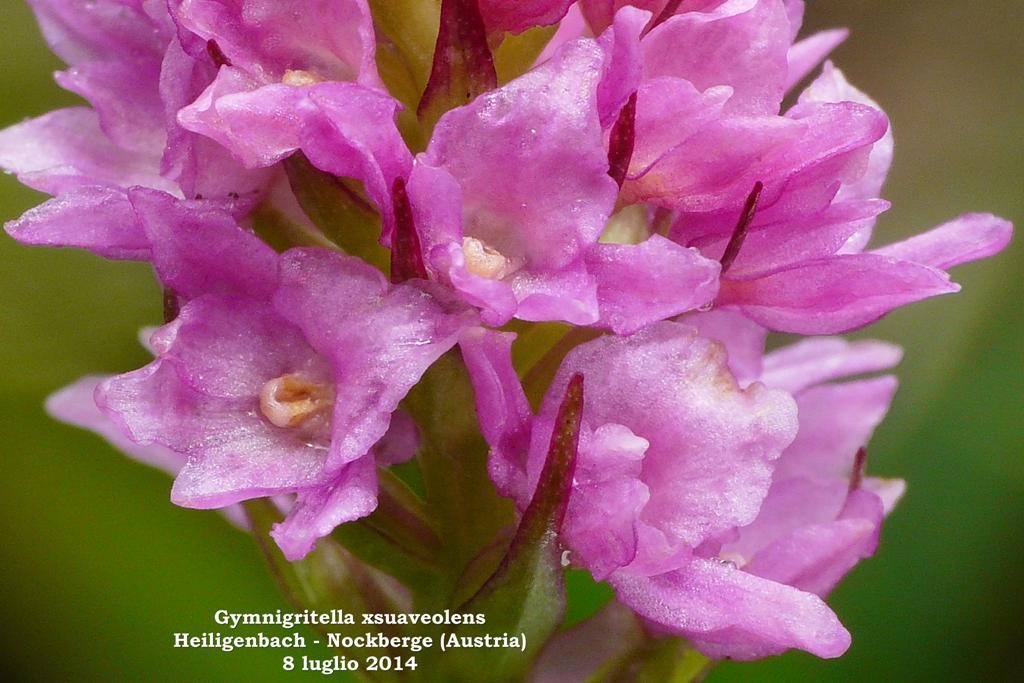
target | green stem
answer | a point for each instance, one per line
(462, 501)
(328, 578)
(516, 54)
(282, 233)
(403, 515)
(399, 538)
(412, 27)
(539, 376)
(661, 660)
(340, 212)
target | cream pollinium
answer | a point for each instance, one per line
(484, 260)
(298, 77)
(735, 559)
(290, 400)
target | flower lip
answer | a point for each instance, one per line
(291, 400)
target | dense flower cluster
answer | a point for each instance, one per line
(332, 205)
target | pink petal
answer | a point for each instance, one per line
(508, 149)
(832, 86)
(401, 442)
(623, 63)
(350, 496)
(229, 459)
(890, 491)
(501, 406)
(332, 39)
(728, 612)
(815, 558)
(669, 112)
(75, 405)
(743, 339)
(198, 248)
(66, 149)
(572, 27)
(601, 13)
(436, 200)
(103, 29)
(711, 444)
(837, 294)
(813, 361)
(742, 44)
(813, 146)
(639, 284)
(835, 421)
(568, 294)
(200, 166)
(970, 237)
(229, 348)
(344, 129)
(100, 219)
(791, 504)
(607, 500)
(516, 16)
(795, 13)
(804, 56)
(125, 95)
(774, 241)
(380, 339)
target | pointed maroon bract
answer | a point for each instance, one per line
(463, 65)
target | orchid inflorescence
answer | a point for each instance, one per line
(459, 293)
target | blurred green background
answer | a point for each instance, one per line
(99, 570)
